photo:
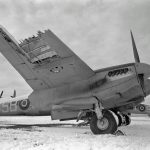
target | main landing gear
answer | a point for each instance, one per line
(109, 122)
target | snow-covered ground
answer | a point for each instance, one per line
(40, 133)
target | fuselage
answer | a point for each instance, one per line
(114, 87)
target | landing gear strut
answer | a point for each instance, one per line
(109, 122)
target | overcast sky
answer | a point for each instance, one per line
(96, 30)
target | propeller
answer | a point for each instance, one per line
(136, 55)
(137, 60)
(14, 94)
(1, 94)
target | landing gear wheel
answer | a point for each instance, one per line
(120, 120)
(106, 125)
(128, 120)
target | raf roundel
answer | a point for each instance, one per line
(24, 104)
(141, 107)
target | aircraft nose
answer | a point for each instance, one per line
(143, 68)
(147, 86)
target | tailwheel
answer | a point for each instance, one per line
(106, 125)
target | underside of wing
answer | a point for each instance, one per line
(44, 61)
(71, 109)
(54, 62)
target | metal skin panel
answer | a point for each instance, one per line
(63, 51)
(112, 93)
(63, 84)
(64, 114)
(20, 63)
(67, 68)
(74, 96)
(116, 91)
(80, 96)
(63, 67)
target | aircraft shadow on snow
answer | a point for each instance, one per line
(30, 127)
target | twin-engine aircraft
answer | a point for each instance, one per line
(65, 88)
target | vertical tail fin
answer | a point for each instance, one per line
(1, 94)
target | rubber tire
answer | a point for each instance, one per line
(128, 120)
(112, 127)
(120, 120)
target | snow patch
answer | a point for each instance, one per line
(40, 133)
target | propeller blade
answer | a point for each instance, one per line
(1, 94)
(136, 55)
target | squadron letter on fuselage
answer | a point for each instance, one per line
(65, 88)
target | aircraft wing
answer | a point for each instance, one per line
(43, 61)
